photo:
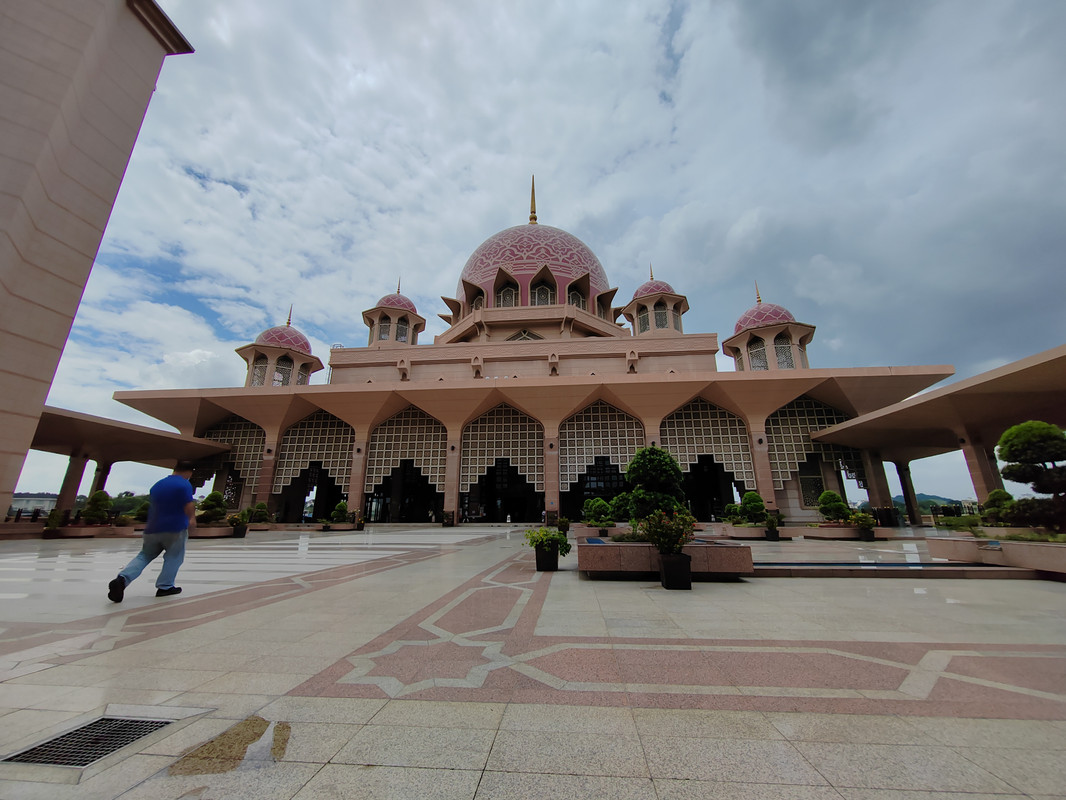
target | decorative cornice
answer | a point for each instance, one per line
(160, 26)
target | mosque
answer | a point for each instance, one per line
(534, 399)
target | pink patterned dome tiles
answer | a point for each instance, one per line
(524, 249)
(763, 314)
(653, 287)
(284, 336)
(397, 300)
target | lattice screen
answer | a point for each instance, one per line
(503, 432)
(412, 434)
(247, 441)
(598, 430)
(701, 428)
(788, 435)
(319, 437)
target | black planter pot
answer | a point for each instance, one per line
(240, 531)
(675, 570)
(547, 558)
(360, 525)
(867, 535)
(773, 535)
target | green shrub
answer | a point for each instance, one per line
(141, 514)
(968, 522)
(212, 508)
(752, 507)
(547, 537)
(832, 507)
(596, 512)
(258, 513)
(95, 512)
(340, 512)
(629, 536)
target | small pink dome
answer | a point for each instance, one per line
(653, 287)
(285, 336)
(763, 314)
(396, 300)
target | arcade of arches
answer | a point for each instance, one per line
(508, 469)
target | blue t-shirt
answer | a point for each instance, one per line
(168, 497)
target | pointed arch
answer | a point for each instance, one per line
(502, 432)
(413, 435)
(246, 440)
(701, 428)
(788, 436)
(319, 437)
(598, 429)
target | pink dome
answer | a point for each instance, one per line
(284, 336)
(763, 314)
(653, 287)
(524, 249)
(397, 300)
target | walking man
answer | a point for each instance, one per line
(171, 513)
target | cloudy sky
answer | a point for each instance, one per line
(893, 172)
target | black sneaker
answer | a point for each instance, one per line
(116, 589)
(168, 592)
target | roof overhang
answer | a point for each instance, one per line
(978, 409)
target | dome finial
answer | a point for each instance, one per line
(533, 200)
(397, 286)
(651, 273)
(288, 322)
(758, 299)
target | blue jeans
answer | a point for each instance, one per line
(172, 545)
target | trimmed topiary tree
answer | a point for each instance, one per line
(96, 510)
(656, 478)
(997, 506)
(1035, 453)
(752, 507)
(340, 512)
(832, 507)
(212, 509)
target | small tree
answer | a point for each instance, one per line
(752, 507)
(596, 511)
(655, 477)
(1035, 452)
(998, 506)
(340, 512)
(832, 507)
(258, 513)
(212, 508)
(96, 510)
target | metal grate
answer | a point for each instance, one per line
(89, 743)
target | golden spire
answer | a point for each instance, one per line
(288, 322)
(397, 286)
(533, 201)
(758, 299)
(651, 274)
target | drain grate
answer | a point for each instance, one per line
(82, 746)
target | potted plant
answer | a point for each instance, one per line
(448, 519)
(548, 544)
(563, 524)
(239, 523)
(865, 523)
(670, 531)
(324, 523)
(360, 522)
(771, 523)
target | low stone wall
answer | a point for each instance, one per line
(713, 561)
(1048, 558)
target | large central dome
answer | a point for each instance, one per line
(524, 249)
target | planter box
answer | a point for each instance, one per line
(715, 561)
(1043, 557)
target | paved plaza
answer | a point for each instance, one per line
(437, 663)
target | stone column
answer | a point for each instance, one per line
(551, 475)
(356, 482)
(981, 462)
(910, 499)
(451, 473)
(68, 494)
(760, 456)
(267, 464)
(876, 482)
(103, 469)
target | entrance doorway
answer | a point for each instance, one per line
(327, 493)
(500, 493)
(600, 479)
(708, 489)
(404, 495)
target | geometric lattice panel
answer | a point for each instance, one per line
(412, 434)
(598, 430)
(247, 441)
(503, 432)
(788, 435)
(319, 437)
(701, 428)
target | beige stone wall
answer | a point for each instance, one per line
(75, 80)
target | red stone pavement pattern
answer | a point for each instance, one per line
(479, 643)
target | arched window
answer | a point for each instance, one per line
(642, 319)
(302, 375)
(783, 349)
(401, 329)
(384, 329)
(479, 303)
(507, 297)
(661, 318)
(757, 354)
(677, 319)
(283, 371)
(259, 371)
(542, 295)
(575, 298)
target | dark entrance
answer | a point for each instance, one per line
(708, 488)
(405, 495)
(600, 479)
(292, 498)
(500, 493)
